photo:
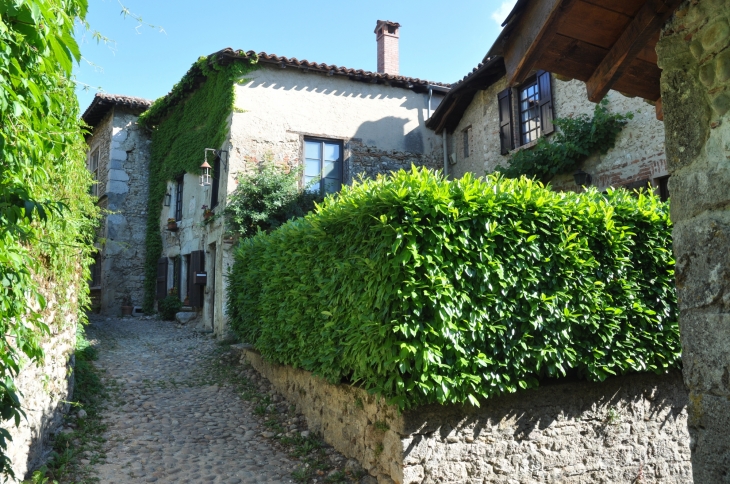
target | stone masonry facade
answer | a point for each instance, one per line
(45, 389)
(638, 154)
(624, 430)
(694, 55)
(122, 188)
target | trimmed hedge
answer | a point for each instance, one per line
(424, 290)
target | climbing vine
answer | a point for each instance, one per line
(575, 140)
(192, 117)
(46, 214)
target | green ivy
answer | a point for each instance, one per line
(425, 290)
(46, 215)
(576, 139)
(195, 115)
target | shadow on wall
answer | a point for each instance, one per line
(389, 133)
(593, 409)
(48, 425)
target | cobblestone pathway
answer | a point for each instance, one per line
(168, 422)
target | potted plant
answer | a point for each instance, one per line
(207, 213)
(171, 224)
(127, 306)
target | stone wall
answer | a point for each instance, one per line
(123, 189)
(638, 154)
(618, 431)
(694, 54)
(45, 390)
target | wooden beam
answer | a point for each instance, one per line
(646, 24)
(659, 109)
(531, 36)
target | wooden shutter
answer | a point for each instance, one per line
(504, 99)
(161, 278)
(216, 182)
(545, 90)
(195, 291)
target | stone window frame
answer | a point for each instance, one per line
(466, 135)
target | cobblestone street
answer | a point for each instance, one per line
(168, 421)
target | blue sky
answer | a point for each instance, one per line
(440, 40)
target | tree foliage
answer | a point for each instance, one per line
(265, 198)
(575, 140)
(432, 291)
(46, 214)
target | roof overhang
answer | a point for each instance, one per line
(452, 107)
(606, 44)
(103, 103)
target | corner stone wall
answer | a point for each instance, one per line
(126, 184)
(618, 431)
(44, 390)
(694, 55)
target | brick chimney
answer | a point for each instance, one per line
(386, 34)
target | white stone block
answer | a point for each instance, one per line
(118, 175)
(117, 187)
(118, 154)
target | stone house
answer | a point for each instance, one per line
(487, 119)
(118, 157)
(336, 122)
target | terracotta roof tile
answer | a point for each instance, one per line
(413, 83)
(103, 102)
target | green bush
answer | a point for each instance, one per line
(169, 307)
(265, 198)
(425, 290)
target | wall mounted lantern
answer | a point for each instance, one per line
(205, 177)
(582, 179)
(168, 198)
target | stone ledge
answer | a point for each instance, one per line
(571, 432)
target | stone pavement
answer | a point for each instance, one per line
(168, 421)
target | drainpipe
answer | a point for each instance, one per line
(430, 95)
(446, 154)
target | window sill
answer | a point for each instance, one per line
(524, 147)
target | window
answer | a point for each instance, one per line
(322, 165)
(179, 198)
(466, 134)
(534, 112)
(216, 182)
(94, 169)
(662, 184)
(529, 112)
(177, 274)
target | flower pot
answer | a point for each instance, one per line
(207, 215)
(172, 226)
(127, 310)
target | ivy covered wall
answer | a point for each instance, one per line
(195, 115)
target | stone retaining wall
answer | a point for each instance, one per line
(624, 429)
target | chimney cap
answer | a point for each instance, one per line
(387, 23)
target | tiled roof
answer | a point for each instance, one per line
(412, 83)
(454, 104)
(103, 102)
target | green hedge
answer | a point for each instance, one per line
(425, 290)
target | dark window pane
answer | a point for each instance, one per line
(331, 169)
(331, 185)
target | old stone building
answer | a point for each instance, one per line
(118, 157)
(481, 138)
(336, 122)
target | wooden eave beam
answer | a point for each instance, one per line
(528, 40)
(645, 24)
